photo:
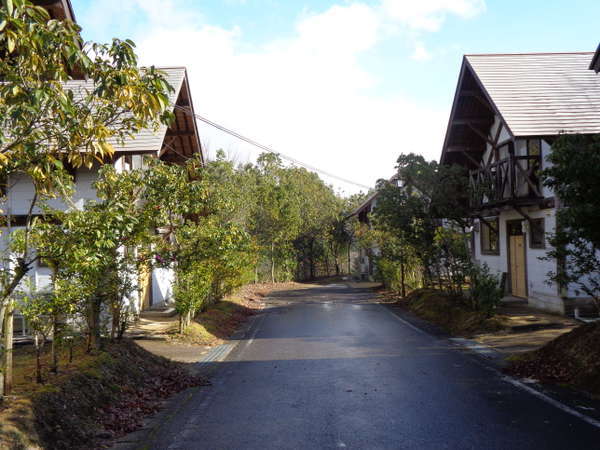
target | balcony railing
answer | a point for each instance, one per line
(511, 180)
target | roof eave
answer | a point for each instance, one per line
(595, 63)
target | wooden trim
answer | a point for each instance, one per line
(495, 229)
(543, 244)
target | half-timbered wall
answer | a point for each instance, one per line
(540, 292)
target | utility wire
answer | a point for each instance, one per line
(270, 150)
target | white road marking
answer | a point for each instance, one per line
(552, 401)
(254, 333)
(400, 319)
(515, 382)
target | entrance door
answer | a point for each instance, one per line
(517, 265)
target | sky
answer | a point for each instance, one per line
(345, 86)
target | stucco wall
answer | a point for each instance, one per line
(541, 293)
(162, 286)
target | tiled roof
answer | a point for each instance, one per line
(147, 140)
(541, 93)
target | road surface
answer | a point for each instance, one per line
(325, 368)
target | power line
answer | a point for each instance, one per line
(270, 150)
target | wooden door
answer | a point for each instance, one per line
(145, 280)
(517, 265)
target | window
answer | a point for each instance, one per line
(537, 233)
(534, 147)
(490, 242)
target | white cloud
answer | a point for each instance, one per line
(420, 53)
(429, 15)
(308, 95)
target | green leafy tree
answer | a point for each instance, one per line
(44, 121)
(574, 179)
(426, 209)
(99, 249)
(192, 211)
(276, 220)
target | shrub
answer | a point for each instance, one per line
(486, 293)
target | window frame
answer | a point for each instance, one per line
(483, 226)
(531, 231)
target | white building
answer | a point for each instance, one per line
(174, 144)
(507, 111)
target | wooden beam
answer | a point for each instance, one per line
(180, 132)
(481, 134)
(520, 211)
(468, 93)
(463, 149)
(492, 227)
(473, 121)
(477, 96)
(47, 2)
(473, 160)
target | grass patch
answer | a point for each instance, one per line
(451, 313)
(218, 322)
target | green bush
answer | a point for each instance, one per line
(389, 272)
(485, 293)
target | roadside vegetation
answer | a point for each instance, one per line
(420, 226)
(217, 225)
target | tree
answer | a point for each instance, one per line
(574, 179)
(275, 221)
(99, 249)
(44, 122)
(207, 250)
(425, 198)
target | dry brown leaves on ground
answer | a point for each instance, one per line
(573, 358)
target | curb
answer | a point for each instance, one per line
(142, 438)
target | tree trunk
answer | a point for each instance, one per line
(55, 343)
(56, 326)
(8, 348)
(349, 268)
(272, 262)
(402, 277)
(115, 320)
(38, 360)
(94, 323)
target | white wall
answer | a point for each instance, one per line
(541, 293)
(162, 286)
(19, 199)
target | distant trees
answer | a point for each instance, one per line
(294, 219)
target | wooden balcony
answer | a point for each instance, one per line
(510, 181)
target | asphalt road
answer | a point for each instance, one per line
(324, 368)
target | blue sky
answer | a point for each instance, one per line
(342, 85)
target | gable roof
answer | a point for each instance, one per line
(541, 94)
(535, 94)
(58, 9)
(595, 63)
(154, 142)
